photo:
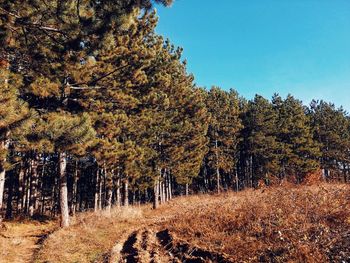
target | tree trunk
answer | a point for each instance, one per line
(9, 197)
(4, 145)
(251, 171)
(170, 189)
(117, 192)
(168, 186)
(63, 189)
(20, 189)
(54, 195)
(75, 190)
(33, 202)
(100, 190)
(42, 205)
(28, 187)
(2, 185)
(186, 189)
(161, 192)
(156, 195)
(217, 167)
(97, 189)
(109, 201)
(126, 193)
(166, 196)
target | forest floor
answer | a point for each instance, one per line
(277, 224)
(21, 241)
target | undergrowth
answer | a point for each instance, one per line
(282, 224)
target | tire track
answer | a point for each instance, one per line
(145, 246)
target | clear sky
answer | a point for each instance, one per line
(300, 47)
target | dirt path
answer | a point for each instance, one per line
(159, 246)
(133, 234)
(19, 242)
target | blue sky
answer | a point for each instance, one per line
(300, 47)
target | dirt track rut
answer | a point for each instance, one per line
(149, 246)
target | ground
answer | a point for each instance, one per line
(21, 241)
(279, 224)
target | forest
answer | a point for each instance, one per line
(98, 110)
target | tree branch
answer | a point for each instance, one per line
(94, 81)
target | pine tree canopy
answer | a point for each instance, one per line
(97, 109)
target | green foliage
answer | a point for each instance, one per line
(94, 80)
(332, 132)
(298, 151)
(14, 113)
(224, 128)
(259, 137)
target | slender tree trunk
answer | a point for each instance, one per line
(217, 180)
(63, 189)
(251, 171)
(104, 189)
(126, 192)
(166, 196)
(2, 185)
(3, 145)
(109, 201)
(54, 195)
(156, 194)
(117, 192)
(75, 190)
(20, 189)
(33, 202)
(161, 192)
(9, 197)
(169, 186)
(97, 190)
(42, 204)
(187, 189)
(28, 187)
(100, 190)
(205, 175)
(217, 167)
(25, 189)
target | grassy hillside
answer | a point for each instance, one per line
(305, 224)
(281, 224)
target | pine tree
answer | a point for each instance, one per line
(13, 114)
(55, 42)
(63, 134)
(224, 126)
(298, 151)
(332, 133)
(259, 140)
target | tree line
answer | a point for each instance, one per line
(96, 110)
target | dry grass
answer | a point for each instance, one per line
(285, 224)
(90, 236)
(20, 240)
(279, 224)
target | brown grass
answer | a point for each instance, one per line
(19, 241)
(90, 237)
(309, 223)
(286, 224)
